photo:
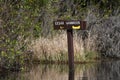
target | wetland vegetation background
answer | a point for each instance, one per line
(27, 34)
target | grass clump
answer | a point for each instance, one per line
(55, 49)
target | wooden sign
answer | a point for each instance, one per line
(73, 24)
(70, 26)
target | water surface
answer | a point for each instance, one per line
(89, 71)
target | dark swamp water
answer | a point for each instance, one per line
(90, 71)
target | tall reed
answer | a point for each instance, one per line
(55, 48)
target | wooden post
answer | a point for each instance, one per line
(70, 49)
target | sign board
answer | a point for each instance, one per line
(71, 24)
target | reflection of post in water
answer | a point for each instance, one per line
(71, 73)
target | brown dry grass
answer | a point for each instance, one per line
(56, 48)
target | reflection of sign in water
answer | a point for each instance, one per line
(69, 26)
(73, 24)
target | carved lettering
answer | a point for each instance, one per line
(59, 23)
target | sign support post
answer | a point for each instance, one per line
(70, 49)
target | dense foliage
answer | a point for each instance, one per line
(19, 22)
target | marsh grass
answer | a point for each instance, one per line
(55, 48)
